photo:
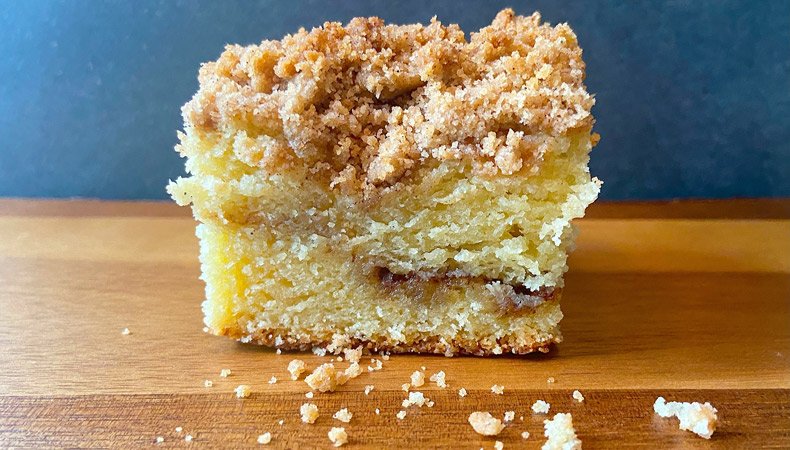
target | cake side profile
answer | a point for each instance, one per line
(395, 187)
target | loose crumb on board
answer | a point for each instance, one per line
(560, 433)
(498, 445)
(417, 378)
(208, 383)
(265, 438)
(550, 380)
(242, 391)
(578, 396)
(309, 394)
(309, 412)
(343, 415)
(438, 378)
(498, 389)
(462, 392)
(224, 373)
(323, 378)
(188, 438)
(369, 388)
(126, 332)
(273, 380)
(509, 416)
(401, 414)
(486, 424)
(159, 439)
(338, 436)
(541, 407)
(295, 368)
(525, 434)
(699, 418)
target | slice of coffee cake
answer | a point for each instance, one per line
(397, 187)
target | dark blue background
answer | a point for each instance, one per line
(693, 96)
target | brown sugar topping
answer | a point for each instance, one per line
(368, 102)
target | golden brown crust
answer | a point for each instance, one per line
(368, 102)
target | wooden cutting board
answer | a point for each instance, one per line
(690, 301)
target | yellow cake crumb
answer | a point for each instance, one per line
(242, 391)
(486, 424)
(343, 415)
(417, 379)
(338, 436)
(323, 378)
(699, 418)
(309, 412)
(498, 389)
(439, 379)
(295, 368)
(578, 396)
(560, 434)
(540, 407)
(265, 438)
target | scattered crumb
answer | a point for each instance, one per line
(578, 396)
(265, 438)
(497, 389)
(343, 415)
(430, 403)
(438, 378)
(462, 392)
(353, 371)
(319, 351)
(423, 368)
(323, 378)
(188, 438)
(405, 386)
(224, 373)
(179, 429)
(338, 436)
(509, 416)
(377, 411)
(368, 388)
(386, 357)
(208, 383)
(377, 365)
(242, 391)
(560, 434)
(273, 380)
(339, 359)
(415, 398)
(309, 394)
(353, 354)
(525, 435)
(160, 439)
(521, 418)
(309, 412)
(550, 380)
(486, 424)
(295, 368)
(498, 445)
(126, 332)
(401, 414)
(699, 418)
(279, 352)
(281, 422)
(541, 407)
(417, 379)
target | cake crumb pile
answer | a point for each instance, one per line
(699, 418)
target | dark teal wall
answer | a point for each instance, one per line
(693, 96)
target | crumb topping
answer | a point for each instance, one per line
(486, 424)
(367, 102)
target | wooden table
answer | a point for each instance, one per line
(690, 301)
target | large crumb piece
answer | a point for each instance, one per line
(417, 378)
(309, 412)
(486, 424)
(353, 354)
(497, 389)
(351, 371)
(540, 407)
(295, 368)
(242, 391)
(343, 415)
(323, 378)
(578, 396)
(415, 398)
(224, 373)
(438, 378)
(699, 418)
(338, 436)
(560, 433)
(265, 438)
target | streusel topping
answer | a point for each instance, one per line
(366, 103)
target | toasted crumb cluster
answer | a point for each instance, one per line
(309, 412)
(338, 436)
(265, 438)
(540, 407)
(699, 418)
(242, 391)
(560, 433)
(486, 424)
(343, 415)
(578, 396)
(295, 368)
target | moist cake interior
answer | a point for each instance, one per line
(397, 187)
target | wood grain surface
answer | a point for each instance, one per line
(666, 300)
